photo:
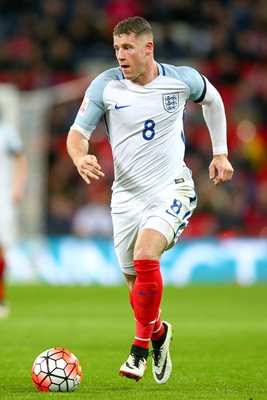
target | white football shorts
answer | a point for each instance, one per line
(168, 213)
(7, 224)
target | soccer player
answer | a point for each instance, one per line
(143, 103)
(12, 179)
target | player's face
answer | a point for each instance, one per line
(134, 54)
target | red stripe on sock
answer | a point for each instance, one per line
(158, 329)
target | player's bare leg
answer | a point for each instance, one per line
(145, 296)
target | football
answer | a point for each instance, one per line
(56, 370)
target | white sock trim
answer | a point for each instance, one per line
(157, 329)
(150, 323)
(144, 340)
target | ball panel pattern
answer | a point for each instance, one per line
(56, 370)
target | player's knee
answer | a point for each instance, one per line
(144, 253)
(150, 245)
(145, 250)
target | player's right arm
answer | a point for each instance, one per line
(90, 112)
(86, 164)
(20, 165)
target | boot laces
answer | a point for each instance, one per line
(156, 354)
(137, 359)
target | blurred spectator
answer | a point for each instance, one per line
(93, 219)
(117, 10)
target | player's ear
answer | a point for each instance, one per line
(149, 47)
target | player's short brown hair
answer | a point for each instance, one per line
(136, 25)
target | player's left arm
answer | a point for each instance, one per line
(220, 169)
(19, 177)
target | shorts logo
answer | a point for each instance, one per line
(171, 102)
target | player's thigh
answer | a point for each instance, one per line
(169, 214)
(150, 244)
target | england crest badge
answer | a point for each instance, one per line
(171, 102)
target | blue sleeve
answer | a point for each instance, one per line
(92, 107)
(192, 78)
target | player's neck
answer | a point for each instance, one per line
(150, 74)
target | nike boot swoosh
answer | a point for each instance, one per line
(161, 374)
(128, 365)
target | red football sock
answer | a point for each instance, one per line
(158, 329)
(147, 296)
(2, 269)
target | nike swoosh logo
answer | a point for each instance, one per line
(161, 374)
(128, 365)
(118, 107)
(142, 293)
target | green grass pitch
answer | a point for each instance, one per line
(219, 349)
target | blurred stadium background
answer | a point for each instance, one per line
(50, 50)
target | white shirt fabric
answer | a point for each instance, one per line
(10, 145)
(145, 128)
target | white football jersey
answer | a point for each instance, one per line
(10, 144)
(145, 128)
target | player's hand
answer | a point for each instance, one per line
(220, 169)
(89, 168)
(17, 195)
